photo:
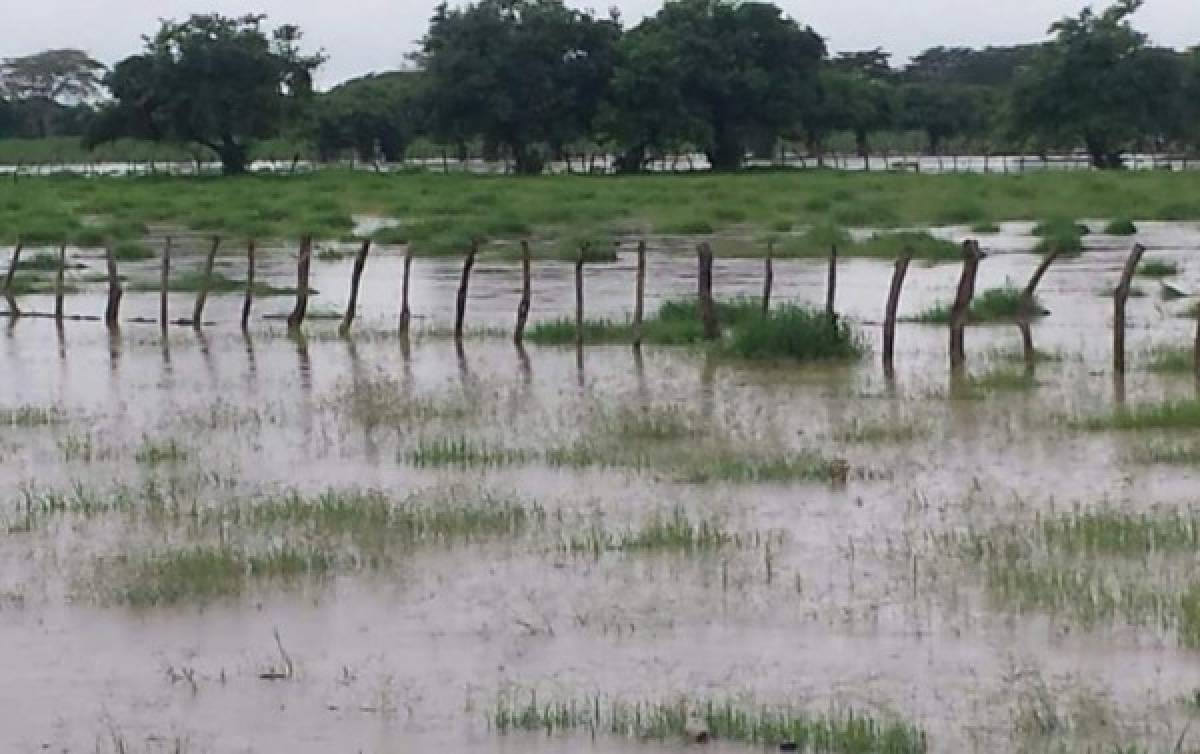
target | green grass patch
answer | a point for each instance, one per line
(43, 262)
(1171, 360)
(1121, 226)
(132, 251)
(193, 281)
(30, 416)
(841, 732)
(1156, 268)
(797, 333)
(993, 305)
(985, 227)
(1180, 414)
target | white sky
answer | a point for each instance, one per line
(361, 36)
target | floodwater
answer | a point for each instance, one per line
(859, 610)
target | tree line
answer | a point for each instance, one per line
(526, 80)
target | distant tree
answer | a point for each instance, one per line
(1090, 85)
(994, 67)
(727, 71)
(944, 111)
(375, 114)
(42, 86)
(859, 104)
(528, 75)
(211, 80)
(875, 64)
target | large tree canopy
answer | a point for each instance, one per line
(724, 71)
(373, 115)
(521, 74)
(50, 88)
(215, 81)
(1096, 83)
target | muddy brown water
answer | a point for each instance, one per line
(411, 659)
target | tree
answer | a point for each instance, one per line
(211, 80)
(528, 75)
(1089, 85)
(375, 114)
(944, 111)
(45, 85)
(725, 70)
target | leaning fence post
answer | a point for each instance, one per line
(360, 263)
(205, 284)
(405, 314)
(13, 309)
(639, 300)
(526, 294)
(768, 277)
(893, 305)
(579, 260)
(164, 280)
(460, 311)
(1120, 296)
(708, 309)
(1026, 305)
(112, 310)
(303, 263)
(248, 301)
(962, 304)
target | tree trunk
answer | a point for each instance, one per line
(112, 311)
(205, 283)
(961, 309)
(705, 303)
(360, 263)
(639, 299)
(893, 305)
(13, 309)
(405, 313)
(1120, 296)
(234, 157)
(460, 309)
(526, 294)
(248, 302)
(303, 263)
(164, 287)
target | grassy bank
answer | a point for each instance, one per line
(439, 213)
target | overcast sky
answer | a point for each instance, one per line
(361, 36)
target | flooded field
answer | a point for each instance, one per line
(227, 542)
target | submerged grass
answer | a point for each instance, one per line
(1156, 268)
(1180, 414)
(674, 532)
(835, 732)
(1171, 360)
(993, 305)
(1096, 567)
(30, 416)
(193, 281)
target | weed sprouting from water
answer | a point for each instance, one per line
(1170, 360)
(463, 451)
(993, 305)
(793, 332)
(153, 452)
(1181, 414)
(836, 732)
(30, 416)
(674, 532)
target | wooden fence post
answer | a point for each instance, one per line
(1120, 296)
(248, 301)
(460, 311)
(164, 286)
(303, 265)
(113, 309)
(961, 309)
(526, 294)
(831, 287)
(1027, 308)
(579, 319)
(707, 307)
(205, 284)
(60, 284)
(893, 305)
(768, 277)
(13, 309)
(405, 314)
(360, 263)
(639, 300)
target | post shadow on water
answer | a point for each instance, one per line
(524, 366)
